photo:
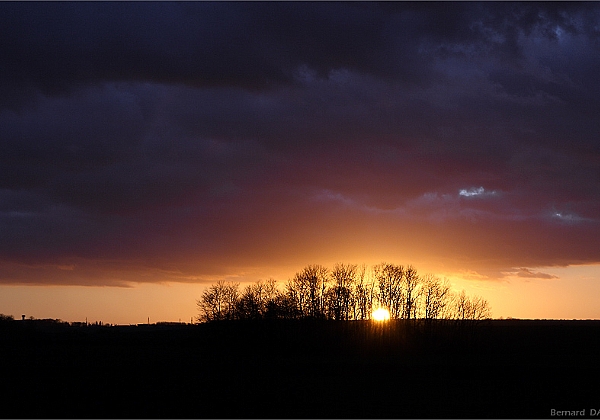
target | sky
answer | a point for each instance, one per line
(151, 149)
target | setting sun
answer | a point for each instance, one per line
(357, 191)
(381, 314)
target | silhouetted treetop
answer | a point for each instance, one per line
(346, 292)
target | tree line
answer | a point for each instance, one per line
(345, 292)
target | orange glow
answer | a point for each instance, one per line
(381, 314)
(572, 293)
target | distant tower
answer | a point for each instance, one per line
(23, 317)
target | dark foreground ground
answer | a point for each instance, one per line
(502, 369)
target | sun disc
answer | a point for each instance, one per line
(381, 314)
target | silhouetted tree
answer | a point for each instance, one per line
(475, 309)
(462, 306)
(271, 295)
(307, 291)
(435, 297)
(345, 293)
(283, 307)
(410, 294)
(256, 299)
(388, 278)
(219, 302)
(297, 297)
(250, 304)
(6, 318)
(480, 309)
(340, 296)
(364, 293)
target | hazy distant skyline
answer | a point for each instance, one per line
(175, 143)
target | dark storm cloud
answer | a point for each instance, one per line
(55, 47)
(185, 137)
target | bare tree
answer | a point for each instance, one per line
(462, 306)
(475, 309)
(364, 292)
(256, 299)
(283, 307)
(218, 302)
(270, 289)
(307, 290)
(345, 293)
(297, 297)
(389, 287)
(435, 296)
(480, 309)
(232, 296)
(251, 304)
(340, 296)
(410, 294)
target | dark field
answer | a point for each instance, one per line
(307, 369)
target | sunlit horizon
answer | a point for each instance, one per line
(137, 173)
(511, 297)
